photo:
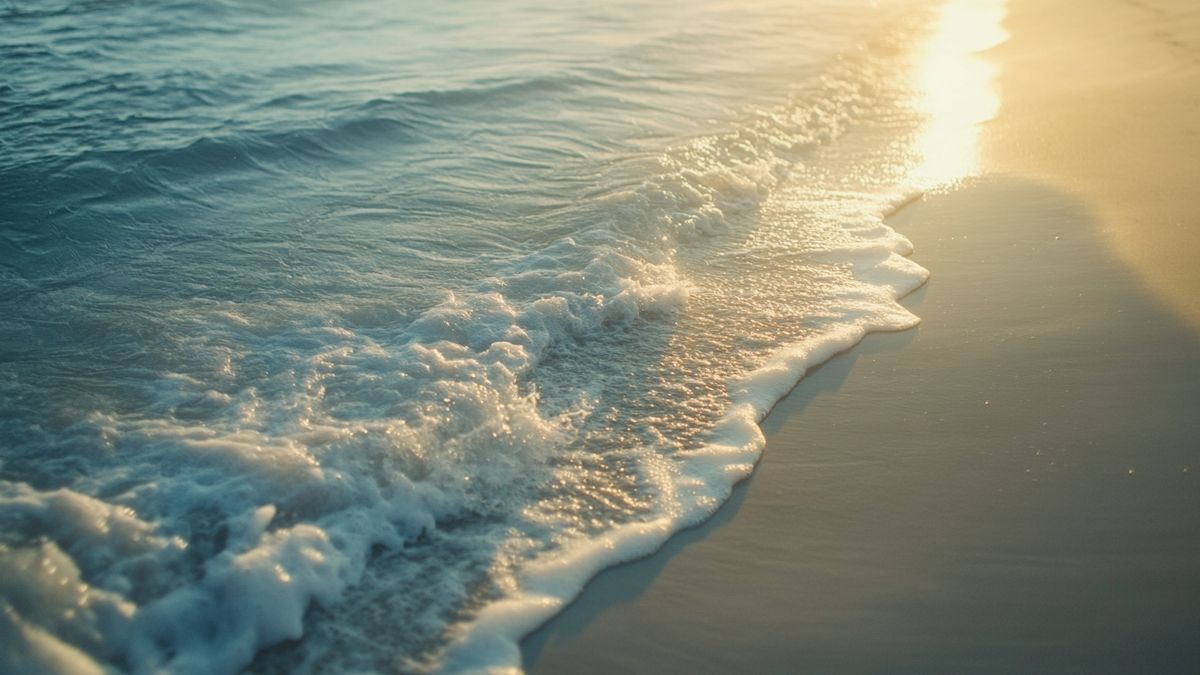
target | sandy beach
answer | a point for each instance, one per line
(1101, 100)
(1015, 485)
(600, 337)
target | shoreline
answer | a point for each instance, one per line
(997, 489)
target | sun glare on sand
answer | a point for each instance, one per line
(955, 89)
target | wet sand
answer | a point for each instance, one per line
(1015, 485)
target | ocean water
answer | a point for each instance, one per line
(357, 336)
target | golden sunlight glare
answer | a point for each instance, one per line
(956, 91)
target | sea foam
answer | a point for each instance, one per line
(304, 374)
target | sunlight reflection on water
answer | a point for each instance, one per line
(955, 86)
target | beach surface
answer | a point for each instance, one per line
(1013, 486)
(1102, 100)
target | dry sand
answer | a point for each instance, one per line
(1102, 100)
(1014, 486)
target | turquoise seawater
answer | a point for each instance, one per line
(358, 335)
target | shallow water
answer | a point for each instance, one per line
(386, 325)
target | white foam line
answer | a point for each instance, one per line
(491, 642)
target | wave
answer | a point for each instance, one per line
(243, 505)
(313, 464)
